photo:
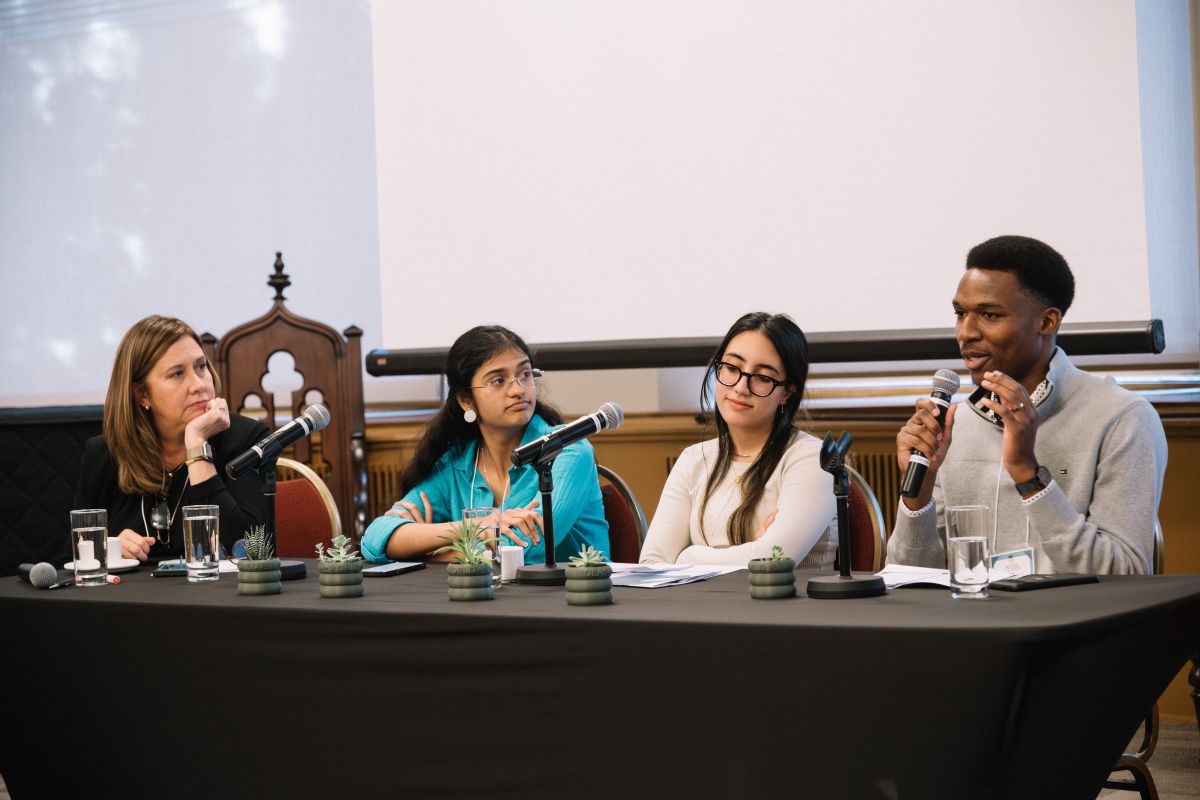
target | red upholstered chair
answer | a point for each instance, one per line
(305, 512)
(626, 520)
(868, 537)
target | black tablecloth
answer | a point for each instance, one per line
(187, 690)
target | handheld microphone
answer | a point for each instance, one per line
(945, 384)
(608, 417)
(314, 418)
(42, 575)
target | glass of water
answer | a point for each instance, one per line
(488, 519)
(967, 551)
(89, 546)
(201, 542)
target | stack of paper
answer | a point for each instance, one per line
(903, 575)
(652, 576)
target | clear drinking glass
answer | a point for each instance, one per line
(488, 519)
(201, 542)
(967, 551)
(89, 543)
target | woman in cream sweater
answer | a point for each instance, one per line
(759, 483)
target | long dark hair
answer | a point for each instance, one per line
(448, 427)
(792, 347)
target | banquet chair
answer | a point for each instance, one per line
(868, 533)
(305, 513)
(1140, 780)
(626, 520)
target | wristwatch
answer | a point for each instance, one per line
(201, 453)
(1039, 481)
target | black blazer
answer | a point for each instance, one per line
(241, 502)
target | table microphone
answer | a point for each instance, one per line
(42, 575)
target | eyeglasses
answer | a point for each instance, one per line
(526, 377)
(759, 385)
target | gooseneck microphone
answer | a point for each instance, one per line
(945, 385)
(42, 575)
(608, 417)
(314, 418)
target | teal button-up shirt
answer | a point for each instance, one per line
(577, 506)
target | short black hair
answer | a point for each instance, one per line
(1041, 269)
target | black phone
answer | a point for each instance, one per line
(1030, 582)
(395, 568)
(169, 569)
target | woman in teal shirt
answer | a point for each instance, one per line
(463, 461)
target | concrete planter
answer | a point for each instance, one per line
(772, 579)
(589, 586)
(341, 578)
(469, 581)
(259, 577)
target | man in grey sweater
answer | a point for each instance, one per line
(1068, 464)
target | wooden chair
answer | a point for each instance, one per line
(330, 365)
(305, 512)
(868, 531)
(1140, 780)
(626, 520)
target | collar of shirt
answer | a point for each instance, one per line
(464, 459)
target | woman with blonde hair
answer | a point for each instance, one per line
(167, 437)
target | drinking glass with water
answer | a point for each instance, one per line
(967, 551)
(89, 546)
(201, 542)
(488, 519)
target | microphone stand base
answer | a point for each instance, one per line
(541, 575)
(835, 587)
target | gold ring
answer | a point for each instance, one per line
(1020, 406)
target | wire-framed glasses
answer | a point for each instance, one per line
(759, 385)
(526, 377)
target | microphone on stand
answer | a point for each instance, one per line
(547, 447)
(541, 453)
(945, 385)
(314, 418)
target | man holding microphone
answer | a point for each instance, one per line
(1069, 465)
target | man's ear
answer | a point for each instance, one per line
(1050, 320)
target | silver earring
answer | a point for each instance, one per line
(470, 416)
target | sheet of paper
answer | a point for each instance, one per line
(896, 575)
(656, 576)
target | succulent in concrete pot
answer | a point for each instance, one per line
(258, 572)
(589, 579)
(341, 568)
(469, 577)
(773, 577)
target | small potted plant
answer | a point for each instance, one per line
(774, 577)
(589, 579)
(469, 577)
(258, 572)
(341, 569)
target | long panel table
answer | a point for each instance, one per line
(170, 689)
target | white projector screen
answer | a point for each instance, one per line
(617, 169)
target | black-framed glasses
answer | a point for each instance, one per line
(526, 377)
(759, 385)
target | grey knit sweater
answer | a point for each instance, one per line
(1106, 450)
